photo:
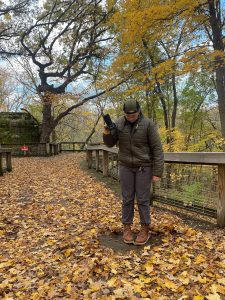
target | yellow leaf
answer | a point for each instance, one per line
(2, 232)
(174, 261)
(145, 279)
(6, 264)
(68, 288)
(137, 288)
(202, 280)
(185, 281)
(190, 232)
(127, 264)
(217, 288)
(147, 247)
(209, 274)
(113, 266)
(119, 293)
(112, 282)
(144, 294)
(95, 286)
(200, 259)
(148, 267)
(213, 297)
(137, 281)
(221, 264)
(68, 252)
(35, 296)
(5, 283)
(198, 298)
(20, 295)
(221, 280)
(184, 278)
(170, 285)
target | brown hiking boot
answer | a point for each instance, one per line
(143, 236)
(127, 234)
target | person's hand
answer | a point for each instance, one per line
(106, 130)
(155, 179)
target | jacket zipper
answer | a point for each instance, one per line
(131, 150)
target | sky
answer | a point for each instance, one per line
(81, 84)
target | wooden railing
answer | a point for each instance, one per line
(199, 159)
(5, 154)
(45, 149)
(33, 149)
(72, 146)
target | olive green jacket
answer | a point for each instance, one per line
(139, 144)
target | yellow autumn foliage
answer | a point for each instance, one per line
(154, 21)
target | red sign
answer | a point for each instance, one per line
(24, 148)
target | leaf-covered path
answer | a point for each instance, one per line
(52, 217)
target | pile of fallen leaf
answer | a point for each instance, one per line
(51, 217)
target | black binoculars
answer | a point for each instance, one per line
(109, 122)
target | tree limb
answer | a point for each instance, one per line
(36, 121)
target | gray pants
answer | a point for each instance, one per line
(135, 181)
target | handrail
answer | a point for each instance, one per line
(4, 150)
(196, 158)
(81, 146)
(72, 142)
(47, 149)
(209, 158)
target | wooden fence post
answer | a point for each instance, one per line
(56, 149)
(105, 163)
(1, 164)
(50, 149)
(97, 160)
(9, 161)
(89, 158)
(47, 147)
(221, 199)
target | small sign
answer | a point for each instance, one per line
(24, 148)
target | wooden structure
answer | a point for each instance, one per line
(54, 148)
(72, 146)
(18, 127)
(44, 149)
(205, 158)
(33, 149)
(5, 154)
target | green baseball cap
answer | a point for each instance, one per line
(131, 105)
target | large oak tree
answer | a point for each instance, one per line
(66, 42)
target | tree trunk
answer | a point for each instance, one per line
(149, 111)
(220, 86)
(163, 103)
(218, 44)
(175, 103)
(47, 121)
